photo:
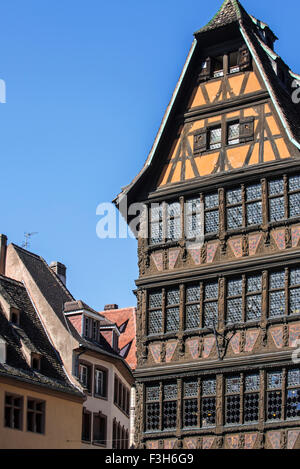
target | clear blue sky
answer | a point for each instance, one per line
(87, 86)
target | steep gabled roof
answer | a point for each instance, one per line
(30, 332)
(231, 13)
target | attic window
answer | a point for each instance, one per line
(218, 68)
(36, 362)
(215, 138)
(15, 318)
(234, 62)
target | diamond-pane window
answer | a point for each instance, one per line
(293, 394)
(277, 298)
(192, 319)
(209, 387)
(275, 380)
(155, 300)
(173, 221)
(191, 389)
(170, 406)
(212, 221)
(152, 408)
(294, 183)
(211, 304)
(234, 217)
(294, 377)
(294, 205)
(155, 322)
(172, 322)
(254, 283)
(294, 277)
(233, 133)
(170, 391)
(211, 290)
(276, 187)
(253, 306)
(254, 213)
(156, 224)
(234, 301)
(211, 201)
(253, 192)
(252, 382)
(234, 287)
(152, 393)
(233, 400)
(193, 218)
(215, 136)
(234, 196)
(295, 301)
(173, 297)
(193, 294)
(277, 209)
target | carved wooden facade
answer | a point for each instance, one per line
(219, 286)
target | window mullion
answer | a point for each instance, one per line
(284, 386)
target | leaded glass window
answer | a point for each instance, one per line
(254, 204)
(293, 394)
(234, 208)
(192, 309)
(193, 220)
(152, 408)
(274, 395)
(211, 205)
(253, 299)
(169, 406)
(208, 403)
(172, 310)
(276, 200)
(211, 293)
(156, 224)
(155, 313)
(251, 398)
(190, 404)
(234, 300)
(215, 138)
(294, 291)
(294, 196)
(233, 400)
(277, 294)
(233, 133)
(173, 221)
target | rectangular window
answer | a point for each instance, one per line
(152, 408)
(294, 291)
(193, 218)
(234, 301)
(211, 211)
(86, 327)
(233, 133)
(208, 403)
(169, 415)
(254, 205)
(233, 400)
(211, 294)
(251, 398)
(173, 221)
(190, 404)
(218, 70)
(215, 138)
(13, 411)
(86, 425)
(248, 297)
(192, 308)
(172, 310)
(155, 313)
(156, 224)
(234, 208)
(99, 429)
(293, 394)
(35, 416)
(253, 297)
(95, 330)
(294, 196)
(276, 200)
(101, 383)
(83, 375)
(233, 61)
(274, 395)
(277, 294)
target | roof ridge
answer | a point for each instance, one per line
(25, 251)
(11, 280)
(56, 277)
(226, 3)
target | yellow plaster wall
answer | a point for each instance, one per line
(63, 422)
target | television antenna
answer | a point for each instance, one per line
(27, 237)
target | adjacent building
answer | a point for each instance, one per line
(218, 313)
(86, 346)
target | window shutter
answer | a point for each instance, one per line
(244, 59)
(205, 72)
(200, 141)
(246, 129)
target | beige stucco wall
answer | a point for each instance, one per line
(106, 406)
(62, 422)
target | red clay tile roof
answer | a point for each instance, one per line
(125, 317)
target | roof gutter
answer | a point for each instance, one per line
(269, 88)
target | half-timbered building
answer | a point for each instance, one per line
(218, 315)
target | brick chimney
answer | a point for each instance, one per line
(3, 248)
(60, 270)
(110, 307)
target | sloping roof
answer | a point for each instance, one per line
(31, 332)
(232, 12)
(125, 317)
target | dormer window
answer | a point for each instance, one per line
(86, 330)
(95, 330)
(15, 317)
(36, 362)
(218, 66)
(234, 62)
